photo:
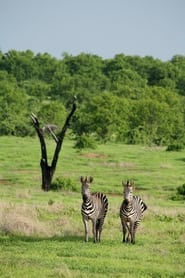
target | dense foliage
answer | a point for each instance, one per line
(130, 99)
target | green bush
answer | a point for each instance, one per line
(180, 194)
(62, 183)
(181, 190)
(175, 147)
(83, 142)
(50, 202)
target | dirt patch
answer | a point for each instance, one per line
(114, 194)
(26, 171)
(5, 181)
(125, 165)
(95, 155)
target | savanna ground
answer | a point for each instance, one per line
(41, 234)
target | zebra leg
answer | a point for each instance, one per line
(132, 232)
(99, 228)
(129, 232)
(136, 224)
(99, 235)
(86, 229)
(94, 229)
(124, 229)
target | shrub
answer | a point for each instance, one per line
(50, 202)
(175, 147)
(181, 190)
(84, 141)
(180, 194)
(62, 183)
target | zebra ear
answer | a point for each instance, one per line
(90, 179)
(133, 185)
(82, 179)
(125, 184)
(129, 183)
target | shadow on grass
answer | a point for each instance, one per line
(180, 159)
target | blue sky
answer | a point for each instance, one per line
(102, 27)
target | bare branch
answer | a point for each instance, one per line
(40, 135)
(34, 118)
(62, 134)
(53, 135)
(49, 129)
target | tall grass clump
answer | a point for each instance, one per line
(22, 219)
(65, 184)
(180, 193)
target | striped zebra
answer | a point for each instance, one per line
(94, 207)
(131, 212)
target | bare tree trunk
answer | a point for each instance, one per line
(47, 170)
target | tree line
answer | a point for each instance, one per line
(130, 99)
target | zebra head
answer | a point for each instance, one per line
(85, 187)
(128, 196)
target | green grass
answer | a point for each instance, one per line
(41, 234)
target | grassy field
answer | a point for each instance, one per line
(41, 234)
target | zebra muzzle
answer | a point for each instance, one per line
(84, 197)
(126, 202)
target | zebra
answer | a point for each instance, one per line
(131, 212)
(94, 207)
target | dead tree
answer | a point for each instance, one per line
(46, 169)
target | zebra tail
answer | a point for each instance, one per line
(106, 204)
(144, 206)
